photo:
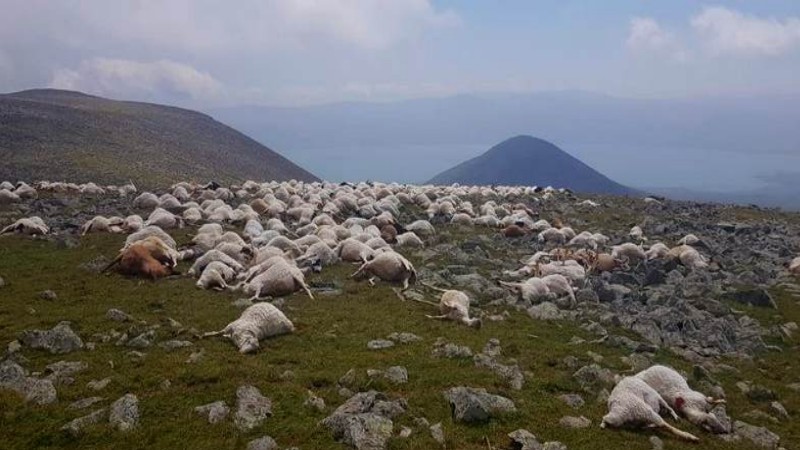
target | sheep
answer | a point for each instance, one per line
(656, 251)
(552, 235)
(629, 251)
(132, 223)
(102, 224)
(192, 215)
(145, 200)
(688, 256)
(461, 219)
(513, 231)
(31, 226)
(216, 275)
(285, 244)
(454, 305)
(570, 269)
(318, 253)
(253, 229)
(409, 239)
(637, 234)
(281, 278)
(689, 239)
(150, 231)
(256, 323)
(604, 262)
(24, 191)
(421, 227)
(794, 266)
(530, 290)
(634, 403)
(352, 250)
(389, 233)
(388, 266)
(164, 219)
(241, 253)
(214, 255)
(559, 285)
(7, 197)
(674, 389)
(150, 257)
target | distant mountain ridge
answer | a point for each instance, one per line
(65, 135)
(529, 161)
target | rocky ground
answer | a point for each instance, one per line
(104, 361)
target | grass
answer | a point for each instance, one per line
(332, 332)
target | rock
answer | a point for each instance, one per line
(545, 311)
(404, 338)
(379, 344)
(174, 345)
(348, 379)
(593, 375)
(117, 315)
(656, 443)
(437, 433)
(575, 422)
(755, 297)
(124, 413)
(60, 339)
(215, 412)
(554, 445)
(262, 443)
(97, 385)
(758, 393)
(404, 433)
(397, 374)
(252, 408)
(315, 402)
(760, 436)
(59, 371)
(573, 400)
(75, 427)
(48, 295)
(444, 349)
(194, 357)
(586, 295)
(84, 403)
(472, 405)
(365, 420)
(35, 390)
(524, 440)
(13, 347)
(143, 340)
(778, 410)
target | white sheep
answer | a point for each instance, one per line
(164, 219)
(531, 290)
(688, 256)
(209, 257)
(633, 403)
(216, 275)
(256, 323)
(243, 254)
(409, 239)
(145, 200)
(421, 227)
(559, 285)
(133, 223)
(794, 266)
(454, 305)
(637, 234)
(7, 197)
(353, 250)
(629, 251)
(146, 232)
(253, 229)
(192, 215)
(100, 224)
(318, 253)
(689, 239)
(31, 226)
(25, 191)
(281, 278)
(388, 266)
(552, 235)
(657, 251)
(674, 389)
(569, 268)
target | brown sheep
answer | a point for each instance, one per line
(389, 234)
(513, 231)
(607, 263)
(139, 260)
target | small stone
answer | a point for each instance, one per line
(262, 443)
(48, 295)
(252, 408)
(437, 433)
(573, 400)
(397, 374)
(174, 345)
(524, 440)
(758, 435)
(575, 422)
(117, 315)
(471, 405)
(348, 379)
(165, 385)
(656, 443)
(84, 403)
(404, 338)
(405, 432)
(14, 346)
(195, 356)
(287, 375)
(215, 412)
(58, 340)
(379, 344)
(779, 410)
(124, 413)
(554, 445)
(315, 402)
(143, 340)
(97, 385)
(75, 427)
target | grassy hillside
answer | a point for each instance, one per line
(61, 135)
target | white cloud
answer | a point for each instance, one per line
(726, 31)
(117, 77)
(645, 34)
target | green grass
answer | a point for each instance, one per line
(331, 337)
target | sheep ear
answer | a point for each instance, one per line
(679, 402)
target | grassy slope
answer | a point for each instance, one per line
(331, 338)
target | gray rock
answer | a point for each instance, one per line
(252, 408)
(404, 338)
(755, 297)
(15, 378)
(58, 340)
(84, 403)
(13, 347)
(262, 443)
(124, 413)
(593, 375)
(172, 345)
(656, 443)
(573, 400)
(97, 385)
(117, 315)
(364, 421)
(143, 340)
(472, 405)
(444, 349)
(379, 344)
(315, 402)
(75, 427)
(545, 311)
(437, 433)
(760, 436)
(554, 445)
(48, 295)
(61, 370)
(524, 440)
(397, 374)
(215, 412)
(575, 422)
(778, 410)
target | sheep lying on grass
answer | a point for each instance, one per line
(454, 305)
(633, 403)
(256, 323)
(150, 258)
(794, 266)
(216, 276)
(100, 224)
(31, 226)
(388, 266)
(280, 278)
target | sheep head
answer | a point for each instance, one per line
(245, 341)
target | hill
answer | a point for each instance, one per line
(63, 135)
(526, 160)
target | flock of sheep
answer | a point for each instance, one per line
(286, 230)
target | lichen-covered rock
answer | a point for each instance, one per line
(75, 427)
(760, 436)
(252, 408)
(124, 414)
(34, 390)
(58, 340)
(364, 421)
(524, 440)
(262, 443)
(472, 405)
(215, 412)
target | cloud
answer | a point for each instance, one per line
(726, 31)
(647, 36)
(115, 77)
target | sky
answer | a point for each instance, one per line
(212, 53)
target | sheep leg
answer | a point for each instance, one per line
(308, 291)
(442, 317)
(405, 284)
(679, 433)
(372, 281)
(665, 406)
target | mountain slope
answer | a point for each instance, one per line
(63, 135)
(526, 160)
